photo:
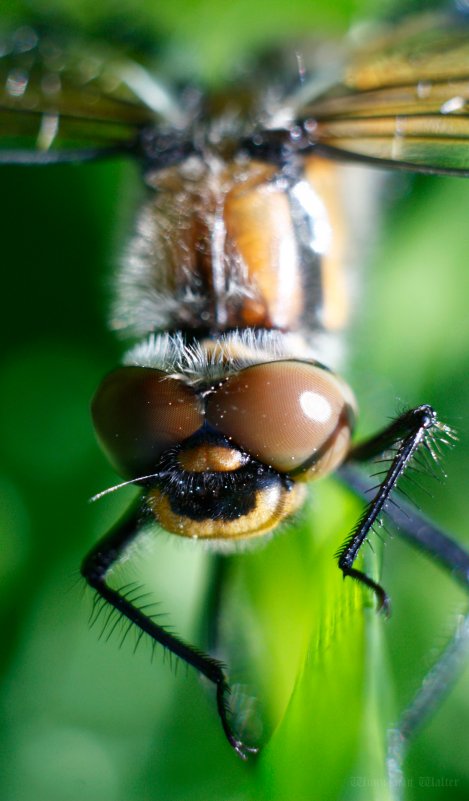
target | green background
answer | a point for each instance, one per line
(82, 719)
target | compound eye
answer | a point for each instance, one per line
(138, 413)
(294, 416)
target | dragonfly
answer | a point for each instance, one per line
(234, 289)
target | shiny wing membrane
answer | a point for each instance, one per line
(402, 101)
(66, 103)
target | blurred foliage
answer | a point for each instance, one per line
(83, 720)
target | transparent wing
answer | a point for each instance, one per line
(55, 98)
(404, 99)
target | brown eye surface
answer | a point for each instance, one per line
(292, 415)
(139, 412)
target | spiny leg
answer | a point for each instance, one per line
(95, 568)
(407, 433)
(423, 534)
(414, 527)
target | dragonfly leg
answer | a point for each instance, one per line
(405, 435)
(95, 568)
(423, 534)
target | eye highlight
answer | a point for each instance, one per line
(292, 415)
(315, 406)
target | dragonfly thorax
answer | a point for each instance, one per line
(223, 245)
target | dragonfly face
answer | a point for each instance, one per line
(235, 282)
(220, 460)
